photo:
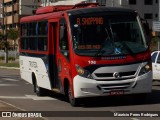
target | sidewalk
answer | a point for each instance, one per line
(4, 107)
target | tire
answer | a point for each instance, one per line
(73, 101)
(38, 90)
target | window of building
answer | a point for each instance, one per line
(132, 2)
(156, 1)
(148, 2)
(156, 15)
(148, 16)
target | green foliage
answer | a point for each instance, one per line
(4, 44)
(1, 58)
(12, 33)
(154, 44)
(155, 40)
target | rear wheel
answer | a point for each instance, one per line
(38, 90)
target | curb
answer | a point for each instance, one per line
(15, 68)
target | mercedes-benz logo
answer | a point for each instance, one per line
(116, 75)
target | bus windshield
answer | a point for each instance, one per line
(107, 34)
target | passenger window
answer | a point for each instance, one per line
(154, 57)
(33, 43)
(42, 44)
(63, 41)
(32, 28)
(24, 30)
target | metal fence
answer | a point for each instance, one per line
(12, 55)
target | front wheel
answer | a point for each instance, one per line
(73, 101)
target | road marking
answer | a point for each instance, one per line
(3, 85)
(9, 79)
(13, 97)
(134, 119)
(33, 97)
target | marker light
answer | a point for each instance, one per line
(146, 68)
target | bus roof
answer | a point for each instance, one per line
(100, 10)
(75, 11)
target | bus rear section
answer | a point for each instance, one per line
(88, 52)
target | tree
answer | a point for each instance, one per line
(13, 34)
(4, 44)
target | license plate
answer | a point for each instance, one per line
(116, 92)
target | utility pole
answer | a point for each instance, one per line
(2, 17)
(12, 13)
(112, 3)
(4, 31)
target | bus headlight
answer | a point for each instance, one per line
(145, 69)
(82, 72)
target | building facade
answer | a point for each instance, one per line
(13, 10)
(147, 9)
(10, 13)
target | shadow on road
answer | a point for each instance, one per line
(111, 101)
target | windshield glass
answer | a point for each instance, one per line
(106, 35)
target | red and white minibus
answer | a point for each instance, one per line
(85, 51)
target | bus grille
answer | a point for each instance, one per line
(122, 74)
(109, 87)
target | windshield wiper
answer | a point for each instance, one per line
(100, 52)
(127, 48)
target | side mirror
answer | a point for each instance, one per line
(146, 28)
(147, 31)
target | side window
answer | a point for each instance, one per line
(63, 38)
(42, 32)
(24, 30)
(158, 59)
(32, 28)
(43, 28)
(34, 36)
(154, 57)
(24, 39)
(63, 42)
(24, 43)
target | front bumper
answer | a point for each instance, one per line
(84, 87)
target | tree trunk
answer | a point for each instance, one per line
(6, 55)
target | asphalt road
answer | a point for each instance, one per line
(19, 93)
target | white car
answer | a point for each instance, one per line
(156, 65)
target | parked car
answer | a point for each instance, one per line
(156, 65)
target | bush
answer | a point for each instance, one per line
(1, 57)
(11, 58)
(154, 44)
